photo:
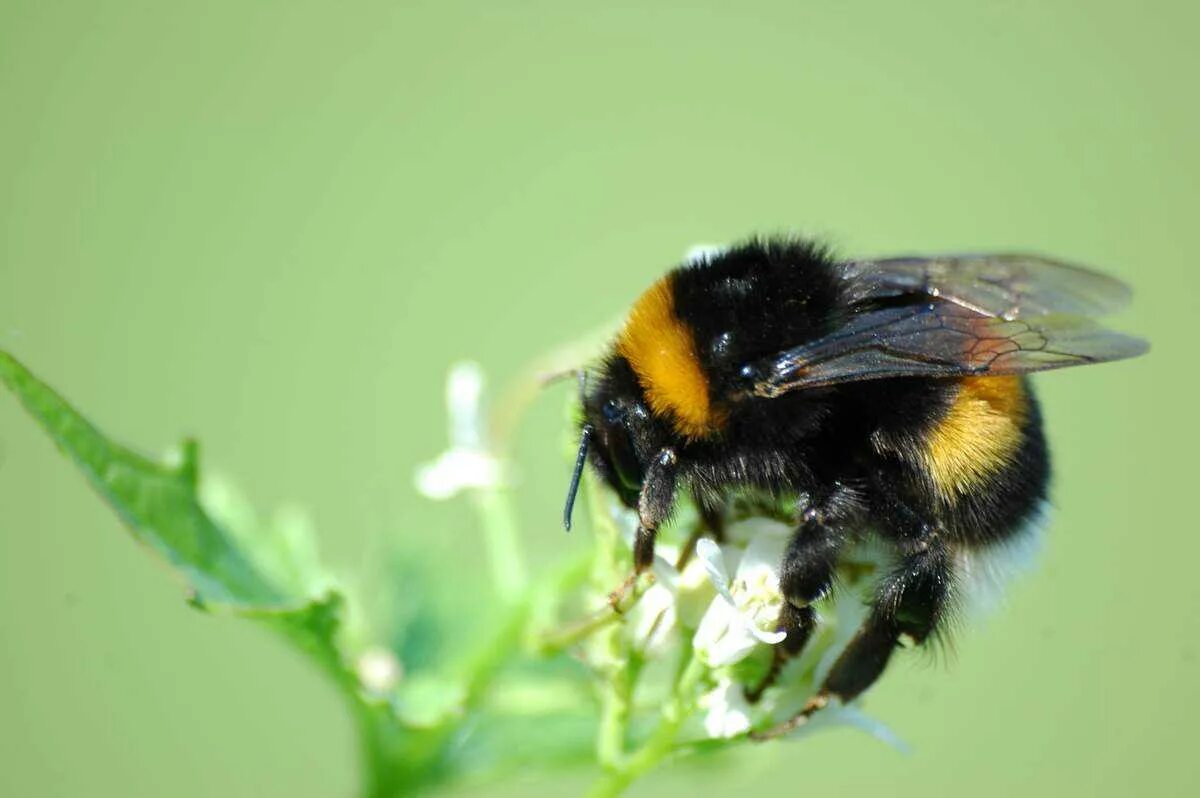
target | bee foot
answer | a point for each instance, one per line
(628, 592)
(811, 707)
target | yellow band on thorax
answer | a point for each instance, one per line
(662, 352)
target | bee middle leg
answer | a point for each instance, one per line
(712, 521)
(806, 575)
(910, 602)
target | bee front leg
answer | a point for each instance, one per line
(655, 503)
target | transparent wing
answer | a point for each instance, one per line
(938, 339)
(1009, 286)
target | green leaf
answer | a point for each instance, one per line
(313, 628)
(501, 746)
(158, 503)
(268, 571)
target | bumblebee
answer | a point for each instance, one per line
(880, 398)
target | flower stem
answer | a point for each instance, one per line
(497, 517)
(558, 640)
(616, 703)
(661, 742)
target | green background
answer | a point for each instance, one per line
(274, 224)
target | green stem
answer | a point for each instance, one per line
(383, 740)
(661, 742)
(616, 701)
(402, 759)
(497, 517)
(558, 640)
(383, 746)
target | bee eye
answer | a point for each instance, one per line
(719, 347)
(618, 442)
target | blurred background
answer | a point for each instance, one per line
(274, 224)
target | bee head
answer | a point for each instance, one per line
(618, 434)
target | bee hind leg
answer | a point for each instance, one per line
(910, 602)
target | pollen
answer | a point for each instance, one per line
(979, 435)
(662, 352)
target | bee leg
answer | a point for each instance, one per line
(805, 576)
(712, 518)
(798, 623)
(655, 503)
(910, 602)
(712, 521)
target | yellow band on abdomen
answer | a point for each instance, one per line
(979, 435)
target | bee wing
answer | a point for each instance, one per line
(1009, 286)
(938, 339)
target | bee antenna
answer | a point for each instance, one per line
(585, 440)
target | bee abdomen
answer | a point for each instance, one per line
(979, 436)
(979, 463)
(987, 461)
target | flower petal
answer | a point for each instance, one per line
(723, 636)
(714, 563)
(457, 470)
(728, 634)
(654, 619)
(693, 593)
(770, 638)
(464, 389)
(764, 553)
(727, 710)
(665, 572)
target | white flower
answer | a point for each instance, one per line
(467, 463)
(675, 598)
(747, 606)
(693, 593)
(378, 670)
(726, 710)
(654, 618)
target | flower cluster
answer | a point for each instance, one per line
(682, 643)
(721, 605)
